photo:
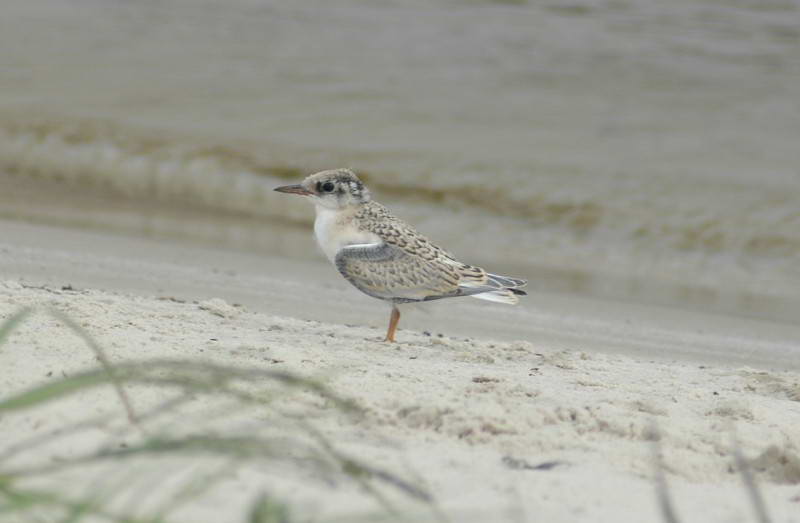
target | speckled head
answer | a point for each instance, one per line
(334, 189)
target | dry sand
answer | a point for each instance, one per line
(471, 409)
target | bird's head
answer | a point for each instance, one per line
(334, 189)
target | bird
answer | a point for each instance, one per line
(383, 256)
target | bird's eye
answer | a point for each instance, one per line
(328, 187)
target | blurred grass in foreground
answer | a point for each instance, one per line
(145, 469)
(154, 461)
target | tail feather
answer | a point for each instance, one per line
(501, 296)
(505, 281)
(496, 288)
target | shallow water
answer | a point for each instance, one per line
(638, 150)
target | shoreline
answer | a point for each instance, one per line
(313, 290)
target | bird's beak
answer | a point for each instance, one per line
(293, 189)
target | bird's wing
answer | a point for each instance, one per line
(386, 271)
(375, 218)
(406, 265)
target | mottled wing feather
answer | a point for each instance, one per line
(377, 219)
(407, 266)
(387, 272)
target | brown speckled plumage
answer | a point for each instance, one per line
(409, 267)
(385, 257)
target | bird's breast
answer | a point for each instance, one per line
(335, 229)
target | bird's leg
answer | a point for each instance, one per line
(393, 319)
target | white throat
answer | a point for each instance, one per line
(335, 228)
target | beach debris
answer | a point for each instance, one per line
(219, 307)
(485, 379)
(173, 299)
(522, 464)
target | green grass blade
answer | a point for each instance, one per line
(54, 390)
(750, 485)
(665, 505)
(193, 490)
(47, 437)
(13, 322)
(22, 501)
(104, 361)
(265, 510)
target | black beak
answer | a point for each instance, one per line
(293, 189)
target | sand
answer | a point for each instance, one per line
(544, 412)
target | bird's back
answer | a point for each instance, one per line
(407, 266)
(377, 219)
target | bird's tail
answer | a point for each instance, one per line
(499, 289)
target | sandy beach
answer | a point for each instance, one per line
(545, 412)
(175, 348)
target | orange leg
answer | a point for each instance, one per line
(393, 319)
